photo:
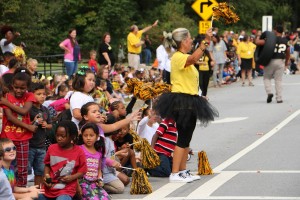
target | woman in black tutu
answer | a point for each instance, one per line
(183, 104)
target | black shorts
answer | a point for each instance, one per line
(246, 63)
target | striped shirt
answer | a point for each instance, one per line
(167, 137)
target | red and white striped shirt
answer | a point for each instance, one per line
(167, 137)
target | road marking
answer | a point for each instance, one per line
(243, 152)
(229, 119)
(226, 120)
(234, 197)
(164, 191)
(268, 171)
(210, 186)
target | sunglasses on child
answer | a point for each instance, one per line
(8, 149)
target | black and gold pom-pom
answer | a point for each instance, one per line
(203, 164)
(140, 183)
(145, 90)
(225, 12)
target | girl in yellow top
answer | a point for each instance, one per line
(183, 104)
(245, 52)
(204, 64)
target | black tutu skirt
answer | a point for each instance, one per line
(183, 107)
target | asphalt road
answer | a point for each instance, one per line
(252, 147)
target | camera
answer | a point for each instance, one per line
(48, 180)
(36, 122)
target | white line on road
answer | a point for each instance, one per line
(164, 191)
(229, 119)
(268, 171)
(256, 143)
(233, 197)
(226, 120)
(210, 186)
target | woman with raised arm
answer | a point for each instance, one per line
(183, 103)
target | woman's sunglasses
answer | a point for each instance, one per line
(8, 149)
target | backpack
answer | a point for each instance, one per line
(59, 104)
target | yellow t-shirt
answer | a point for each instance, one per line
(235, 43)
(246, 50)
(183, 79)
(133, 39)
(203, 65)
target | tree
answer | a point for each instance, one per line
(45, 23)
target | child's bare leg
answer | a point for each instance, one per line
(132, 158)
(38, 180)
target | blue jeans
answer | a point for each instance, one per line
(36, 160)
(62, 197)
(165, 167)
(148, 55)
(218, 73)
(71, 68)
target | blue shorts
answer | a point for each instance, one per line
(36, 161)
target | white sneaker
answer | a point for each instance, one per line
(179, 178)
(188, 174)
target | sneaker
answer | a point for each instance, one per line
(179, 178)
(279, 101)
(194, 177)
(269, 99)
(251, 84)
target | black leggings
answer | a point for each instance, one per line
(185, 132)
(204, 81)
(167, 77)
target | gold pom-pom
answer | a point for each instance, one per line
(225, 12)
(203, 164)
(140, 183)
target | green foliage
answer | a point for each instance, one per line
(43, 24)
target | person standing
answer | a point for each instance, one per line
(121, 55)
(134, 44)
(183, 104)
(219, 51)
(6, 42)
(72, 53)
(245, 52)
(163, 54)
(147, 50)
(277, 65)
(106, 56)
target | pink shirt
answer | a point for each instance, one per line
(93, 161)
(69, 56)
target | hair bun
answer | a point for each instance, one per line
(167, 35)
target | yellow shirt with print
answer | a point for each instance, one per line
(132, 40)
(183, 79)
(203, 64)
(246, 50)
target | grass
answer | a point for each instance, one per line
(55, 68)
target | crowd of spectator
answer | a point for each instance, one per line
(42, 116)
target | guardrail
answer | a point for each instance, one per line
(51, 64)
